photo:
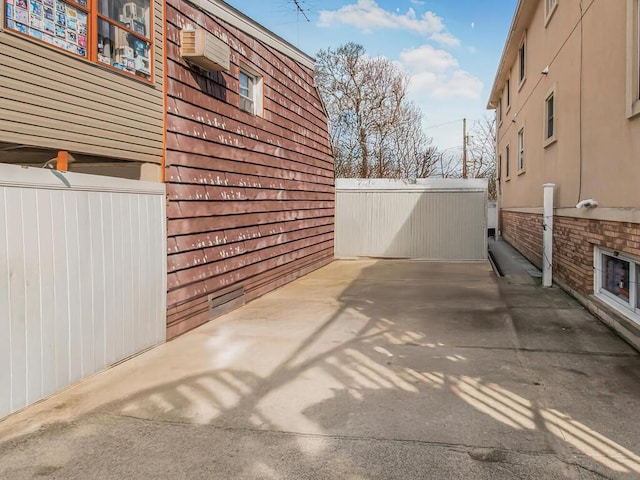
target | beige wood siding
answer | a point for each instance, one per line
(51, 99)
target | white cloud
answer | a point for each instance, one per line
(436, 74)
(427, 58)
(367, 16)
(460, 84)
(446, 39)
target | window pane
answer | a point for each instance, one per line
(550, 103)
(615, 277)
(54, 22)
(246, 104)
(123, 50)
(520, 149)
(508, 92)
(508, 160)
(133, 14)
(245, 85)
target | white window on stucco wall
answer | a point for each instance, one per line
(550, 126)
(549, 9)
(521, 151)
(507, 163)
(616, 281)
(522, 62)
(633, 58)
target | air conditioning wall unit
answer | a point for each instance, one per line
(201, 48)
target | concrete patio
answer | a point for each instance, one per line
(362, 370)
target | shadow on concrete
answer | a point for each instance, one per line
(438, 357)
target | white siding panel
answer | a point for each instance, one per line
(431, 220)
(47, 291)
(5, 310)
(60, 317)
(31, 255)
(17, 311)
(82, 277)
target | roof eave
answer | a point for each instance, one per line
(522, 16)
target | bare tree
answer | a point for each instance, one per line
(481, 161)
(375, 130)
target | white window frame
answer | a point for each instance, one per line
(633, 58)
(522, 66)
(500, 114)
(549, 139)
(521, 145)
(629, 309)
(255, 95)
(550, 6)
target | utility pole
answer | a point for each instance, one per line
(464, 148)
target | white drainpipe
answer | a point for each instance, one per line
(547, 237)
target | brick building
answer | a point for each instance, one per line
(567, 103)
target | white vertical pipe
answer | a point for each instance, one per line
(547, 237)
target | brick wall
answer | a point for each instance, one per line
(573, 242)
(524, 232)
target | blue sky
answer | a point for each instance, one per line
(450, 48)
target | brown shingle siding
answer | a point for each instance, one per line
(251, 199)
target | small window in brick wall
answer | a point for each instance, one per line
(616, 281)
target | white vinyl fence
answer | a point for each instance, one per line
(431, 219)
(82, 277)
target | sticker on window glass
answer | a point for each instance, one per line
(35, 7)
(21, 16)
(36, 23)
(52, 21)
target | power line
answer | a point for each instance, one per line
(442, 124)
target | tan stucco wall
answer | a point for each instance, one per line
(608, 141)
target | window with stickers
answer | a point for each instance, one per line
(115, 33)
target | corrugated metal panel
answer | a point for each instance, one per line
(82, 277)
(51, 99)
(430, 219)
